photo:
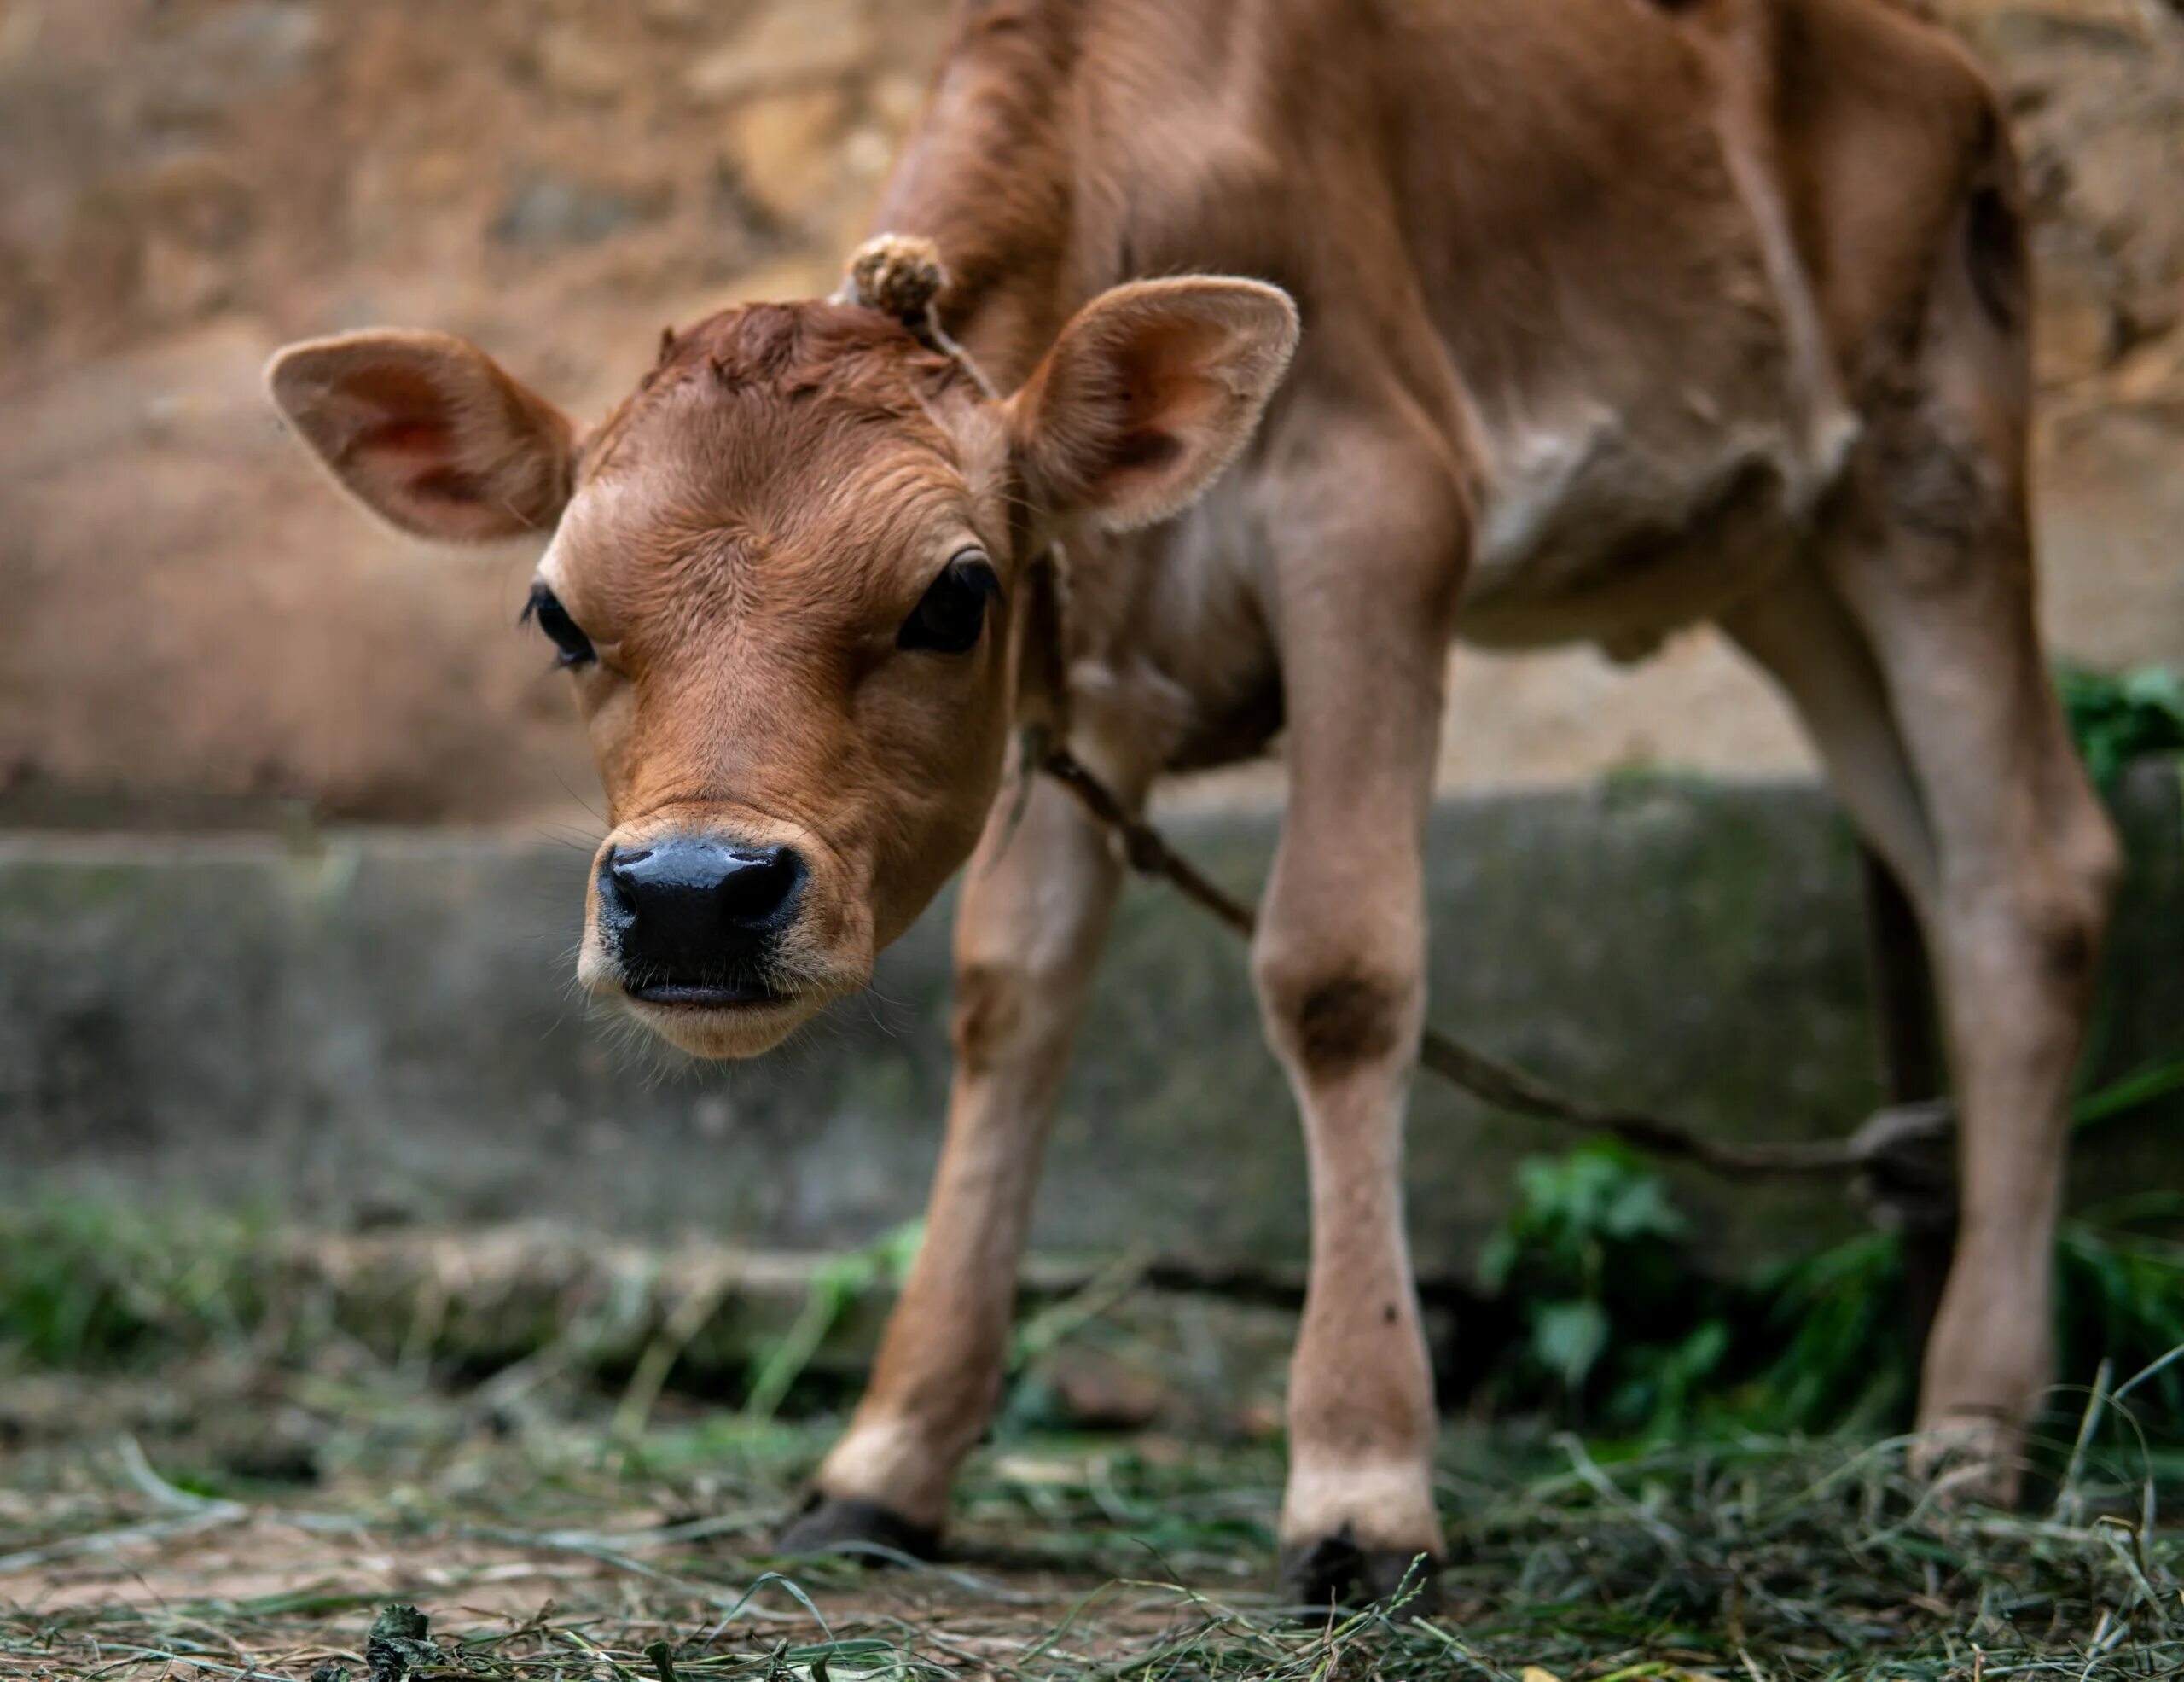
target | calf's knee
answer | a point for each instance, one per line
(2046, 927)
(1016, 1010)
(2094, 859)
(989, 1013)
(1331, 1013)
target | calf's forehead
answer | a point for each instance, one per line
(823, 491)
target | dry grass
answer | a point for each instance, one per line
(224, 1520)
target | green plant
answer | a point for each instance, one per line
(1843, 1358)
(2114, 718)
(1622, 1330)
(2128, 1094)
(1616, 1315)
(2120, 1299)
(1833, 1326)
(89, 1285)
(835, 1289)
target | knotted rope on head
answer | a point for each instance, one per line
(898, 275)
(902, 277)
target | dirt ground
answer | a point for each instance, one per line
(223, 1519)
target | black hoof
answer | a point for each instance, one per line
(846, 1525)
(1336, 1572)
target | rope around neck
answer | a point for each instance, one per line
(1901, 1146)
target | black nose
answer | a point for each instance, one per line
(691, 915)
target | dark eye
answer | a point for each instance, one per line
(954, 611)
(554, 620)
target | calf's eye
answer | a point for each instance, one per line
(572, 647)
(954, 610)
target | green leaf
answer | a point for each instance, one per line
(2129, 1092)
(1568, 1338)
(2116, 718)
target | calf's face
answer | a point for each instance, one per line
(787, 580)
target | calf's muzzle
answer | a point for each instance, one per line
(694, 920)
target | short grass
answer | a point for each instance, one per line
(219, 1518)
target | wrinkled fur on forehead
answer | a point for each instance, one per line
(836, 365)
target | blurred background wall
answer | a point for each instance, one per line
(333, 1003)
(197, 632)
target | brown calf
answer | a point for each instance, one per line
(1617, 316)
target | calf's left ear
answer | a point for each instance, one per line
(1150, 390)
(428, 433)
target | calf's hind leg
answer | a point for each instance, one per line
(1930, 551)
(1926, 551)
(1913, 659)
(1034, 915)
(2026, 862)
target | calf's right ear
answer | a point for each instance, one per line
(428, 433)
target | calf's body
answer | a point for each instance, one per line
(1618, 317)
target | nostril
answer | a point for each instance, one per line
(615, 888)
(758, 882)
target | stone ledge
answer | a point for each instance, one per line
(379, 1026)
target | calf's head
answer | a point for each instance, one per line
(787, 581)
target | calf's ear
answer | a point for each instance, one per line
(428, 433)
(1150, 390)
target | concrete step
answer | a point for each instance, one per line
(366, 1026)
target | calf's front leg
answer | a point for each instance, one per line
(1034, 915)
(1339, 961)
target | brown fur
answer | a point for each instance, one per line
(1618, 318)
